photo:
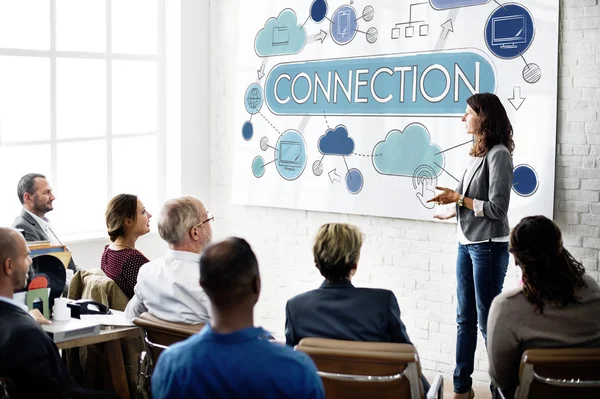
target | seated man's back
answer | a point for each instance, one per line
(341, 311)
(234, 365)
(230, 358)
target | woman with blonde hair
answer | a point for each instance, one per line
(126, 220)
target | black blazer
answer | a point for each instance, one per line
(33, 232)
(29, 358)
(342, 311)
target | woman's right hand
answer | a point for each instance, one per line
(449, 214)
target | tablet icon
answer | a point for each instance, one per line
(343, 25)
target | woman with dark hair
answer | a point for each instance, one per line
(481, 199)
(557, 305)
(126, 220)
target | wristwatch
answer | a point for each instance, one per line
(461, 200)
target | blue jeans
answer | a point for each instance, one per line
(480, 272)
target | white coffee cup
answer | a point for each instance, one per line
(61, 311)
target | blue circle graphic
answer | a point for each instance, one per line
(525, 181)
(247, 130)
(253, 99)
(318, 10)
(509, 31)
(290, 154)
(354, 181)
(258, 166)
(343, 25)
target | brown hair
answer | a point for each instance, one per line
(494, 125)
(120, 208)
(550, 273)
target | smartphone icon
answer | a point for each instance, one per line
(343, 25)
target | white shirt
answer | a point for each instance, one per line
(45, 225)
(169, 288)
(478, 211)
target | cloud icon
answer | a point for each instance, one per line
(336, 142)
(280, 36)
(402, 153)
(448, 4)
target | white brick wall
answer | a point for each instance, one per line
(414, 259)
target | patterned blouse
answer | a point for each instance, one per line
(123, 266)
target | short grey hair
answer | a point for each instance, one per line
(177, 217)
(27, 185)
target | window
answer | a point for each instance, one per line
(82, 100)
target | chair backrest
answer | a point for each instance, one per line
(365, 369)
(93, 284)
(160, 334)
(560, 373)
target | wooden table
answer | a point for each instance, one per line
(111, 339)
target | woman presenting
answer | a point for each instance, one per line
(481, 199)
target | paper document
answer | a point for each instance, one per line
(115, 319)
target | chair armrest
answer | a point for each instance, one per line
(436, 391)
(500, 393)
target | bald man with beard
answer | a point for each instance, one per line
(29, 359)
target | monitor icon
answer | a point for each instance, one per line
(290, 154)
(509, 31)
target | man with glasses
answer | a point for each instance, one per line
(168, 287)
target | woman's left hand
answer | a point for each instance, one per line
(447, 196)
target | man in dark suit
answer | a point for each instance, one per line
(29, 360)
(337, 309)
(36, 196)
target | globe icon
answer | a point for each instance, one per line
(253, 98)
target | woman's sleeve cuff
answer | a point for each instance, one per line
(478, 208)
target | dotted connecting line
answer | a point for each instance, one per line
(367, 155)
(327, 123)
(270, 123)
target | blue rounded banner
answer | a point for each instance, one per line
(422, 84)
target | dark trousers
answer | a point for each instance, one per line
(480, 272)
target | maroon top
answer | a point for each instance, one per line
(123, 266)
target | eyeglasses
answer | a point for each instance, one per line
(209, 218)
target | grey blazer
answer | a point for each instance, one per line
(32, 231)
(490, 181)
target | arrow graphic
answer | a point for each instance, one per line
(333, 176)
(261, 72)
(516, 101)
(318, 36)
(446, 28)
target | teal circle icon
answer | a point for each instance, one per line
(254, 98)
(290, 155)
(258, 166)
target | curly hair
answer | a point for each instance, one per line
(494, 125)
(550, 272)
(336, 250)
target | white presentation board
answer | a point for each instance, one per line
(356, 106)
